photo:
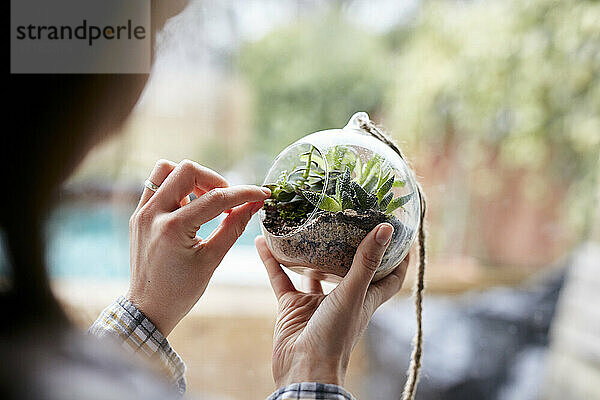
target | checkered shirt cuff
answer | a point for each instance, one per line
(311, 391)
(138, 335)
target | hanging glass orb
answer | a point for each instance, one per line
(329, 190)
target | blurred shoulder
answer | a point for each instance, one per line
(67, 364)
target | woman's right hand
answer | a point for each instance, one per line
(170, 265)
(315, 333)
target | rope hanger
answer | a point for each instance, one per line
(410, 388)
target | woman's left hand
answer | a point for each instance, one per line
(315, 333)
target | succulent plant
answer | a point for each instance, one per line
(351, 184)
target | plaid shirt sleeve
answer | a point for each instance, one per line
(138, 335)
(311, 391)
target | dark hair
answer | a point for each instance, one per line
(54, 120)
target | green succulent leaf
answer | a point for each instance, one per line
(345, 180)
(371, 201)
(385, 201)
(317, 187)
(398, 202)
(339, 157)
(371, 167)
(384, 174)
(286, 196)
(370, 184)
(358, 169)
(360, 194)
(385, 188)
(338, 189)
(334, 155)
(347, 201)
(327, 203)
(275, 190)
(312, 197)
(346, 174)
(351, 184)
(309, 163)
(334, 174)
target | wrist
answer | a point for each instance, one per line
(312, 371)
(154, 314)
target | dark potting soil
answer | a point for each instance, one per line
(362, 219)
(329, 241)
(276, 224)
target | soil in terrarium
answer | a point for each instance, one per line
(329, 241)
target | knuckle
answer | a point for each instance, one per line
(140, 219)
(162, 165)
(217, 195)
(239, 227)
(132, 220)
(142, 216)
(159, 226)
(396, 283)
(371, 303)
(238, 230)
(237, 224)
(187, 165)
(247, 192)
(170, 224)
(370, 260)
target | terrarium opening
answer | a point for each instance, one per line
(298, 172)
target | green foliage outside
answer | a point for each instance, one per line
(313, 75)
(519, 81)
(520, 78)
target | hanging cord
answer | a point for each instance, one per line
(410, 388)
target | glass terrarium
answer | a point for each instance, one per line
(329, 190)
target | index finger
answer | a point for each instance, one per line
(185, 179)
(216, 201)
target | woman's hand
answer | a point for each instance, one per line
(315, 333)
(170, 265)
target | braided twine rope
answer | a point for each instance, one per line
(410, 388)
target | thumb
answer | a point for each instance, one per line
(231, 228)
(367, 259)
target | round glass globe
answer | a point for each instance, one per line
(330, 189)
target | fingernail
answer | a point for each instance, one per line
(267, 191)
(384, 234)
